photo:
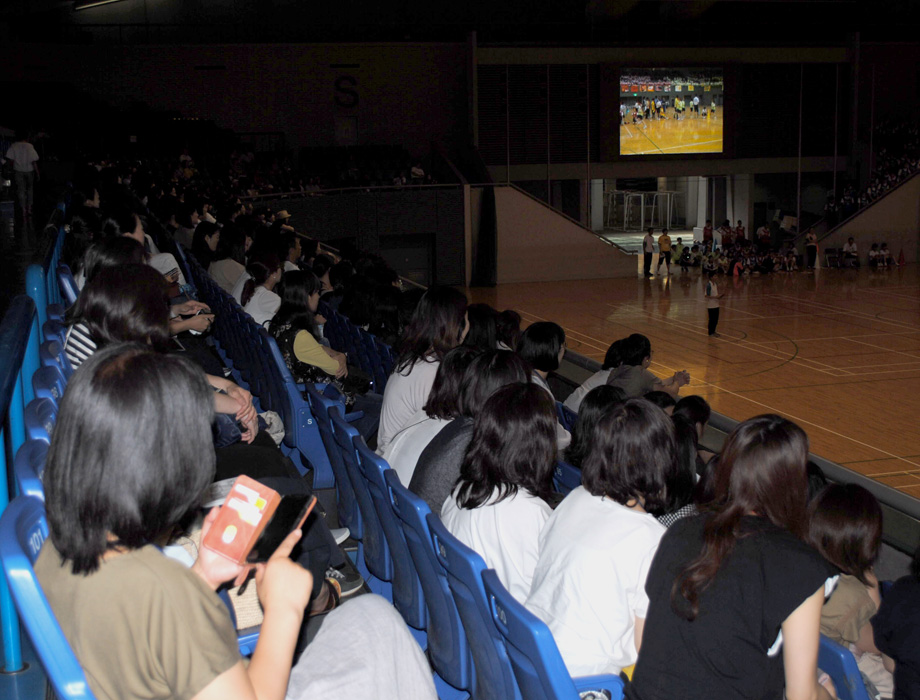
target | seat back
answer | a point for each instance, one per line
(39, 417)
(538, 666)
(566, 416)
(51, 353)
(23, 530)
(448, 649)
(407, 590)
(494, 676)
(54, 330)
(376, 551)
(49, 383)
(566, 478)
(67, 284)
(348, 509)
(840, 664)
(29, 466)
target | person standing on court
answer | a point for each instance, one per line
(811, 250)
(648, 250)
(25, 169)
(664, 251)
(712, 304)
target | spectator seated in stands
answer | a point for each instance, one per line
(123, 221)
(499, 506)
(542, 346)
(483, 327)
(438, 324)
(294, 327)
(438, 466)
(597, 403)
(145, 625)
(663, 400)
(187, 218)
(442, 406)
(227, 263)
(633, 376)
(612, 360)
(258, 298)
(896, 630)
(682, 495)
(723, 585)
(204, 243)
(289, 250)
(596, 548)
(845, 526)
(508, 329)
(696, 410)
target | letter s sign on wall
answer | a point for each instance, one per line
(345, 94)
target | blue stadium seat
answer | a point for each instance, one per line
(494, 677)
(55, 312)
(49, 383)
(54, 330)
(448, 649)
(407, 590)
(375, 551)
(29, 466)
(348, 510)
(51, 354)
(567, 416)
(538, 667)
(67, 284)
(566, 478)
(840, 664)
(39, 417)
(23, 531)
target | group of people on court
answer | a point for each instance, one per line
(657, 108)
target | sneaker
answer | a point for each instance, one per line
(714, 335)
(340, 534)
(347, 578)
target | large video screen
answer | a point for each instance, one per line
(668, 111)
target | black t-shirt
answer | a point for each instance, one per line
(723, 653)
(896, 629)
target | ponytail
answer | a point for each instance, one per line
(259, 272)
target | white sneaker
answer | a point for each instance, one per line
(340, 534)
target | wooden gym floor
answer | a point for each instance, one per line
(837, 351)
(687, 135)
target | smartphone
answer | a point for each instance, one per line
(290, 515)
(175, 345)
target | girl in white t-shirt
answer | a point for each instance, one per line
(438, 324)
(597, 547)
(498, 508)
(258, 298)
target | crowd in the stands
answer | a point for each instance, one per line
(698, 575)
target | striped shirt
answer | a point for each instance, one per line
(78, 345)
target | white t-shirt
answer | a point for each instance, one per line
(712, 295)
(597, 379)
(263, 305)
(166, 262)
(589, 584)
(290, 267)
(505, 534)
(226, 273)
(404, 396)
(23, 155)
(403, 450)
(237, 292)
(648, 244)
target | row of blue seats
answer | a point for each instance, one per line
(481, 642)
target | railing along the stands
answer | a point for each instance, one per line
(20, 337)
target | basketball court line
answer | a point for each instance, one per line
(898, 352)
(861, 315)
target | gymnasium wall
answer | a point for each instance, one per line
(894, 219)
(401, 94)
(536, 244)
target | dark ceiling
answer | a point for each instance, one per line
(640, 22)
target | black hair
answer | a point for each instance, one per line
(595, 405)
(487, 373)
(444, 398)
(120, 220)
(287, 240)
(694, 408)
(845, 526)
(130, 455)
(200, 248)
(635, 349)
(340, 273)
(436, 326)
(682, 480)
(295, 289)
(127, 303)
(508, 328)
(121, 250)
(322, 264)
(259, 269)
(482, 334)
(540, 344)
(662, 399)
(632, 455)
(614, 356)
(513, 447)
